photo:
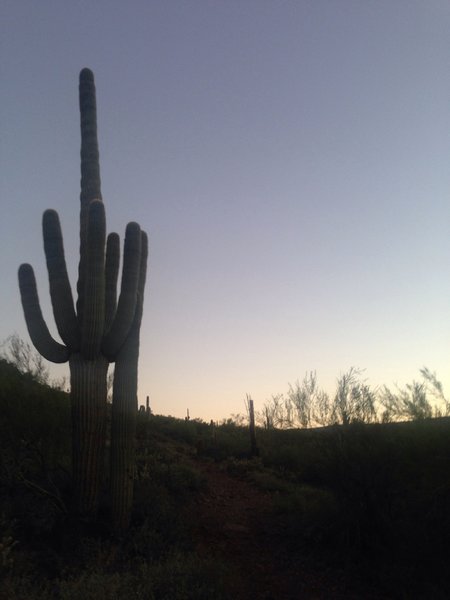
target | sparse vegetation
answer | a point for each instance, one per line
(354, 401)
(356, 511)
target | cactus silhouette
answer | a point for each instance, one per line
(124, 410)
(100, 330)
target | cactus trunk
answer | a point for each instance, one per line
(123, 426)
(88, 399)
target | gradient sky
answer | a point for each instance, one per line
(290, 162)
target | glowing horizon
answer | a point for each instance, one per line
(290, 165)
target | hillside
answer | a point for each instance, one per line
(357, 512)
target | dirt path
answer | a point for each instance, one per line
(232, 525)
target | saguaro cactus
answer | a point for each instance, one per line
(101, 329)
(251, 412)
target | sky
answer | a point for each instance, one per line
(289, 160)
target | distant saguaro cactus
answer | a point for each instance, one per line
(251, 414)
(100, 330)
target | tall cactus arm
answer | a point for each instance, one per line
(124, 409)
(60, 291)
(132, 342)
(133, 337)
(141, 284)
(111, 274)
(90, 168)
(126, 307)
(94, 308)
(37, 328)
(90, 171)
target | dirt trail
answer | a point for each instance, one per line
(233, 524)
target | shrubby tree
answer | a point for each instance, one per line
(416, 401)
(302, 399)
(276, 413)
(322, 409)
(27, 360)
(354, 400)
(235, 419)
(435, 389)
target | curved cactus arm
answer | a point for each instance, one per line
(94, 297)
(60, 291)
(126, 307)
(37, 328)
(111, 273)
(90, 171)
